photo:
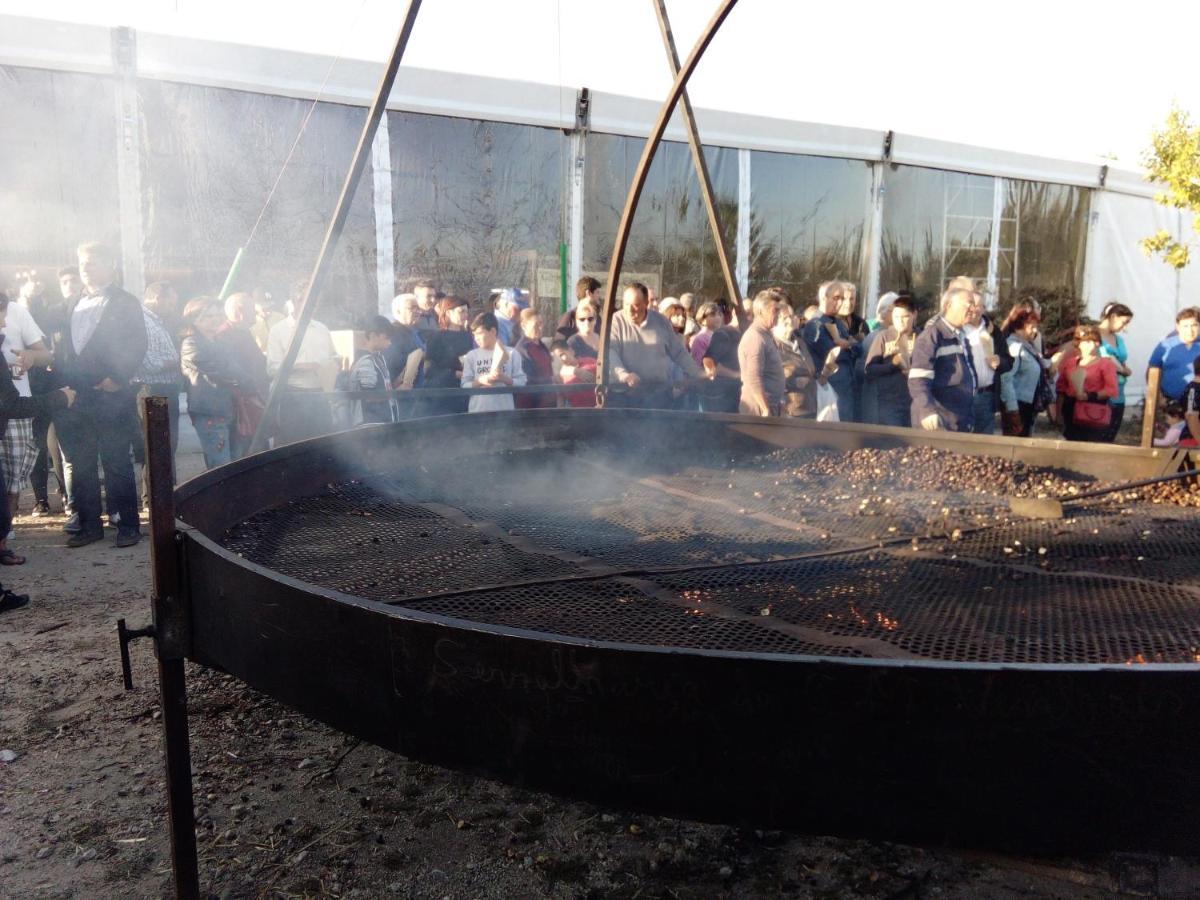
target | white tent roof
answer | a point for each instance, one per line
(57, 45)
(1052, 79)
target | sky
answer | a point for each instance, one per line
(1064, 79)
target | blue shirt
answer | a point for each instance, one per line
(506, 329)
(1120, 354)
(1175, 359)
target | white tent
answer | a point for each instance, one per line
(1119, 203)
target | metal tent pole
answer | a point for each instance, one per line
(706, 188)
(639, 182)
(362, 155)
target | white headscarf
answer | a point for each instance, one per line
(885, 303)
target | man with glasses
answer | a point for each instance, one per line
(508, 308)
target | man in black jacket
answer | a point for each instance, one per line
(104, 342)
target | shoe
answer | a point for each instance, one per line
(9, 601)
(127, 537)
(40, 510)
(83, 538)
(73, 525)
(114, 521)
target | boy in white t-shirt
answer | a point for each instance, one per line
(490, 364)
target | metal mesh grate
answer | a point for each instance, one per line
(355, 540)
(615, 610)
(904, 604)
(1111, 585)
(1155, 542)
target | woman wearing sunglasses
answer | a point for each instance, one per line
(585, 343)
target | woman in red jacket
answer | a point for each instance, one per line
(1086, 382)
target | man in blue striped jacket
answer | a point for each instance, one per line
(941, 377)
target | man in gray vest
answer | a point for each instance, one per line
(759, 361)
(646, 354)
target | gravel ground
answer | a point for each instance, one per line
(289, 808)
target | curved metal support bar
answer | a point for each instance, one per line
(361, 154)
(639, 180)
(701, 166)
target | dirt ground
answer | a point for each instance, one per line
(289, 808)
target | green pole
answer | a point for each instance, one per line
(562, 277)
(227, 288)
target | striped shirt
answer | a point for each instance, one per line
(160, 365)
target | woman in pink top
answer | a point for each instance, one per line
(1086, 383)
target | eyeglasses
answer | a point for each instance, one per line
(585, 318)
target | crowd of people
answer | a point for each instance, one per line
(964, 369)
(79, 358)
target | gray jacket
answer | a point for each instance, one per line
(648, 349)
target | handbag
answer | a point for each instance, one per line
(248, 411)
(827, 410)
(1043, 395)
(1011, 423)
(1091, 415)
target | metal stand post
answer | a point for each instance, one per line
(362, 155)
(172, 634)
(640, 174)
(1150, 407)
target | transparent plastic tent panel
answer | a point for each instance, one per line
(59, 165)
(478, 206)
(938, 225)
(671, 246)
(808, 218)
(1051, 222)
(210, 157)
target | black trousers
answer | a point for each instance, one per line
(1028, 414)
(1118, 415)
(893, 411)
(49, 456)
(94, 433)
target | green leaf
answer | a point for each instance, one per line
(1174, 160)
